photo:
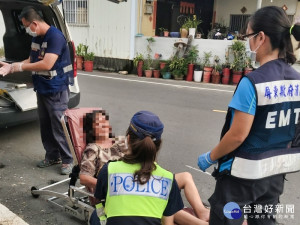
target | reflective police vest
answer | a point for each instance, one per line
(128, 198)
(57, 79)
(266, 152)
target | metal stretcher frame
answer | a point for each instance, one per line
(78, 207)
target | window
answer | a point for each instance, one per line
(238, 23)
(76, 12)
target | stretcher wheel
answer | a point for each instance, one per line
(34, 189)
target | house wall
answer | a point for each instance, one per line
(2, 30)
(108, 32)
(226, 7)
(165, 46)
(148, 20)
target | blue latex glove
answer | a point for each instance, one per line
(204, 161)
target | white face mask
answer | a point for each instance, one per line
(30, 32)
(251, 54)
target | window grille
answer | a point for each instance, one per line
(76, 12)
(239, 22)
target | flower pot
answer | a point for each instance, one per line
(247, 70)
(215, 78)
(148, 73)
(225, 80)
(178, 77)
(166, 33)
(166, 75)
(236, 76)
(162, 65)
(198, 76)
(183, 33)
(140, 68)
(175, 34)
(189, 76)
(208, 69)
(206, 76)
(156, 73)
(226, 72)
(79, 62)
(88, 66)
(192, 31)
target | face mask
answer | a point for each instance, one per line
(251, 54)
(30, 32)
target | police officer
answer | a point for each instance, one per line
(254, 155)
(51, 68)
(136, 190)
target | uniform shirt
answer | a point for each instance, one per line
(174, 203)
(244, 98)
(52, 42)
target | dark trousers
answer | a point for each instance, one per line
(246, 192)
(50, 110)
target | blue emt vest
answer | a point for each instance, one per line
(266, 151)
(57, 79)
(127, 198)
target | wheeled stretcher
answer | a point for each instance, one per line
(76, 201)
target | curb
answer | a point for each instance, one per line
(7, 217)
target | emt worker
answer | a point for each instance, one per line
(253, 154)
(136, 190)
(51, 68)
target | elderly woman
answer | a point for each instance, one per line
(102, 147)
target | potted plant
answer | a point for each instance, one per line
(155, 66)
(216, 76)
(191, 58)
(178, 67)
(162, 32)
(207, 67)
(166, 74)
(80, 52)
(226, 69)
(147, 67)
(162, 64)
(89, 61)
(248, 66)
(198, 71)
(191, 25)
(238, 49)
(166, 33)
(138, 62)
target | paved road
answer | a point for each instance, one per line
(193, 115)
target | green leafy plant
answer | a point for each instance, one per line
(155, 64)
(89, 56)
(166, 68)
(161, 29)
(217, 65)
(178, 66)
(238, 49)
(81, 50)
(206, 59)
(139, 57)
(192, 54)
(191, 23)
(148, 61)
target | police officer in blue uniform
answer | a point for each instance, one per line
(254, 152)
(51, 68)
